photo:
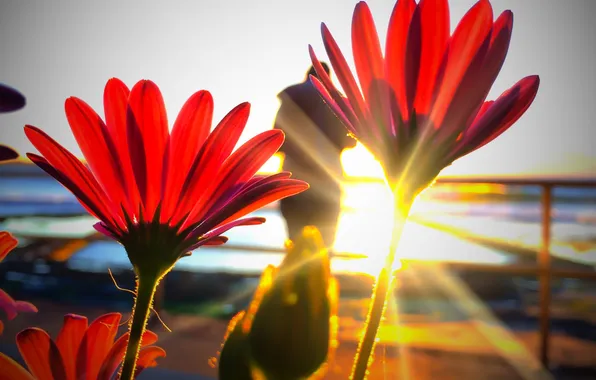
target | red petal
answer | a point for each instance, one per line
(344, 75)
(41, 354)
(7, 244)
(505, 111)
(395, 52)
(224, 228)
(115, 101)
(147, 358)
(69, 340)
(238, 168)
(480, 77)
(11, 370)
(468, 38)
(370, 65)
(188, 135)
(80, 180)
(98, 148)
(96, 344)
(7, 304)
(214, 151)
(338, 103)
(147, 134)
(25, 307)
(252, 200)
(434, 16)
(116, 354)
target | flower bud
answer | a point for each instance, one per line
(289, 330)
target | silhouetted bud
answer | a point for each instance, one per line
(290, 328)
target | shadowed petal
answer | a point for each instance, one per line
(501, 114)
(238, 168)
(147, 134)
(96, 344)
(87, 199)
(7, 153)
(222, 229)
(11, 370)
(344, 75)
(69, 340)
(10, 99)
(253, 199)
(339, 103)
(7, 304)
(41, 354)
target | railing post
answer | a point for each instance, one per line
(544, 264)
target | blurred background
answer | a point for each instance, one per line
(476, 257)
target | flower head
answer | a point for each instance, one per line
(421, 105)
(80, 351)
(290, 327)
(162, 194)
(7, 304)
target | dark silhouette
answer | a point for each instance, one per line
(315, 138)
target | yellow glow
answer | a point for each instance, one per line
(359, 162)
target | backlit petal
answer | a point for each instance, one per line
(148, 358)
(188, 135)
(7, 244)
(11, 370)
(214, 151)
(69, 340)
(114, 357)
(147, 136)
(41, 354)
(96, 344)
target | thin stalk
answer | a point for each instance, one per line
(145, 291)
(402, 205)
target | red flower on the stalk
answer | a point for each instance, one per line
(8, 305)
(163, 194)
(422, 105)
(80, 352)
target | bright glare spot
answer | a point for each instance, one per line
(273, 165)
(359, 162)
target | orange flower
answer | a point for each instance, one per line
(422, 105)
(80, 352)
(7, 304)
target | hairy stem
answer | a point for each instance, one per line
(402, 205)
(145, 291)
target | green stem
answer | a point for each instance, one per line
(145, 291)
(402, 205)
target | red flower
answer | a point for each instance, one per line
(158, 193)
(11, 307)
(80, 352)
(422, 104)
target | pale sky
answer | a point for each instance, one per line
(250, 50)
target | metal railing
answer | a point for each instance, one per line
(543, 270)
